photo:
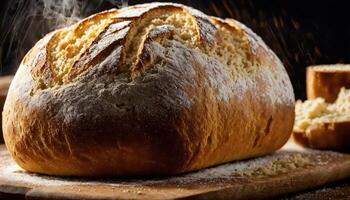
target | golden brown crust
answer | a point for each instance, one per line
(331, 136)
(37, 59)
(4, 86)
(145, 57)
(325, 83)
(112, 36)
(186, 110)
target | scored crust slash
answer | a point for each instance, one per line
(151, 89)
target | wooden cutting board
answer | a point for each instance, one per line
(288, 170)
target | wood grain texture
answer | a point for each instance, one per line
(214, 183)
(337, 190)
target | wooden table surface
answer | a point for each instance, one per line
(338, 190)
(335, 191)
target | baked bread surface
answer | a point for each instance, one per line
(152, 89)
(326, 80)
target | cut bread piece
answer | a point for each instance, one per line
(326, 80)
(323, 125)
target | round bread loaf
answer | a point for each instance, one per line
(152, 89)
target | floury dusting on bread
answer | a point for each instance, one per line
(151, 89)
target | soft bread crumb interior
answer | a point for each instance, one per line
(66, 46)
(231, 50)
(316, 111)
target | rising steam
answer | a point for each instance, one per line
(24, 22)
(61, 13)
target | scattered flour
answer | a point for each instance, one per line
(280, 162)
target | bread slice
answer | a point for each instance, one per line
(323, 125)
(326, 80)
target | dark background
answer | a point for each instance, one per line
(301, 33)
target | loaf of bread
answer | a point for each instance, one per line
(326, 80)
(323, 125)
(151, 89)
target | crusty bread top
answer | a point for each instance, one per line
(317, 111)
(63, 55)
(331, 68)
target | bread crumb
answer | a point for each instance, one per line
(311, 112)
